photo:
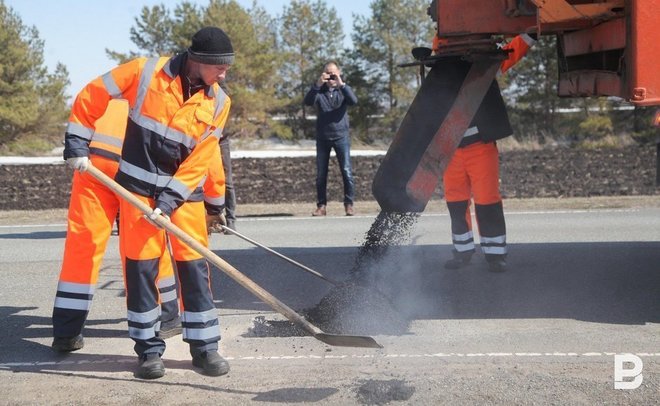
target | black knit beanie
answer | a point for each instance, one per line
(211, 46)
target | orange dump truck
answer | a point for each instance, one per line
(605, 48)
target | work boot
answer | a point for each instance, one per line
(231, 224)
(212, 363)
(170, 328)
(497, 263)
(320, 211)
(460, 260)
(349, 209)
(68, 344)
(151, 366)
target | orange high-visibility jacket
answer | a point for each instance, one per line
(108, 138)
(169, 143)
(519, 47)
(109, 135)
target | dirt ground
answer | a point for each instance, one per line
(550, 173)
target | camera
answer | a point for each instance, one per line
(332, 77)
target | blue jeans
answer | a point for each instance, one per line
(342, 148)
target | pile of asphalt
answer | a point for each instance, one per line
(374, 392)
(363, 305)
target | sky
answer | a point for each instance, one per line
(77, 32)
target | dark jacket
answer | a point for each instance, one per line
(331, 105)
(491, 121)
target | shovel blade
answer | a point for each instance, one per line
(339, 340)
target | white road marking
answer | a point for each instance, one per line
(33, 225)
(457, 355)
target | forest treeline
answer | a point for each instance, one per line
(278, 57)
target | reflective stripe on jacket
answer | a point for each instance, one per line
(110, 129)
(214, 187)
(169, 143)
(104, 140)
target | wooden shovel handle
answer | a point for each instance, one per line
(221, 264)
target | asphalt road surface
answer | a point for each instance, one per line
(582, 287)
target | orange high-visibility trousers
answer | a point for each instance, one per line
(92, 210)
(473, 174)
(144, 245)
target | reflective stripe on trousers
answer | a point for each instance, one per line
(92, 212)
(143, 245)
(473, 173)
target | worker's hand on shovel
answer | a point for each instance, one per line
(79, 163)
(151, 218)
(214, 223)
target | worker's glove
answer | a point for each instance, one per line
(78, 163)
(151, 218)
(214, 223)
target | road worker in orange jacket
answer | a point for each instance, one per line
(177, 114)
(92, 209)
(473, 174)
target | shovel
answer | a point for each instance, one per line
(272, 251)
(340, 285)
(247, 283)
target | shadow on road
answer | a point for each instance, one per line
(78, 366)
(38, 235)
(22, 355)
(19, 329)
(612, 282)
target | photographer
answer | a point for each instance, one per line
(332, 96)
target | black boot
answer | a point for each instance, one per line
(212, 363)
(68, 344)
(151, 366)
(496, 263)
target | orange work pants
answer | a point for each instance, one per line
(144, 245)
(92, 212)
(473, 174)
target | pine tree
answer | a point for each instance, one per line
(32, 100)
(384, 40)
(251, 82)
(530, 91)
(311, 35)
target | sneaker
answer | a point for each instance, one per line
(497, 265)
(320, 211)
(459, 261)
(68, 344)
(212, 363)
(151, 366)
(349, 210)
(170, 328)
